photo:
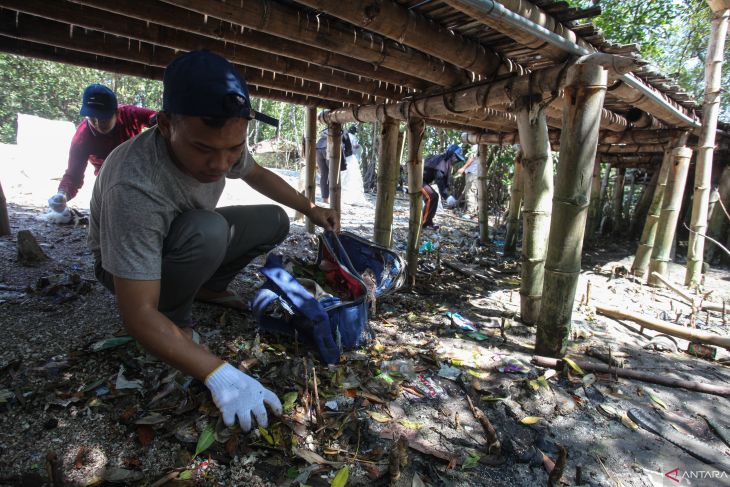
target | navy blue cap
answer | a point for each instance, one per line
(455, 149)
(98, 102)
(204, 84)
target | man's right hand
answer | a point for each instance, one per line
(57, 202)
(237, 394)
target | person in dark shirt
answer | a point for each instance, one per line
(436, 168)
(106, 126)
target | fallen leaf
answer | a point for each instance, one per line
(656, 399)
(313, 458)
(471, 461)
(628, 422)
(573, 365)
(290, 398)
(108, 343)
(531, 420)
(589, 380)
(492, 398)
(185, 475)
(379, 417)
(414, 425)
(340, 479)
(206, 438)
(145, 434)
(267, 436)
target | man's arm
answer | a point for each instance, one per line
(137, 302)
(467, 165)
(78, 158)
(270, 184)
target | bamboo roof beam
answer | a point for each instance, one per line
(83, 59)
(141, 31)
(290, 23)
(185, 20)
(403, 25)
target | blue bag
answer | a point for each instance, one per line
(332, 323)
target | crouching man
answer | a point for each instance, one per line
(160, 242)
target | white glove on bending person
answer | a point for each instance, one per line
(237, 394)
(450, 202)
(57, 202)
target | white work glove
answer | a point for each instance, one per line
(450, 202)
(237, 394)
(57, 202)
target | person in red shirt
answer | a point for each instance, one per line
(106, 126)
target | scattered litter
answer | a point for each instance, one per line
(123, 383)
(460, 322)
(449, 372)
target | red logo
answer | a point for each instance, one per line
(673, 475)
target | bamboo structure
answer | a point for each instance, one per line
(537, 174)
(334, 155)
(4, 221)
(594, 209)
(719, 223)
(310, 158)
(483, 193)
(618, 201)
(629, 200)
(416, 129)
(515, 204)
(642, 206)
(604, 192)
(646, 243)
(586, 89)
(388, 168)
(706, 146)
(672, 202)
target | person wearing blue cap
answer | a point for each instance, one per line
(105, 126)
(160, 242)
(437, 168)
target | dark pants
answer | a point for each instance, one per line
(430, 205)
(442, 180)
(324, 174)
(207, 249)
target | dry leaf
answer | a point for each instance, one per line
(628, 422)
(145, 434)
(531, 420)
(573, 365)
(379, 417)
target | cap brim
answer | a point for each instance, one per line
(102, 114)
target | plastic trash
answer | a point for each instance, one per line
(460, 322)
(405, 367)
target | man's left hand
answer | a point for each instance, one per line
(326, 218)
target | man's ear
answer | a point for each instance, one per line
(163, 124)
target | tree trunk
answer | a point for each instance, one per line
(646, 244)
(483, 192)
(584, 93)
(666, 228)
(310, 157)
(718, 224)
(629, 201)
(387, 181)
(515, 203)
(334, 154)
(705, 147)
(642, 207)
(618, 201)
(537, 173)
(594, 210)
(371, 173)
(4, 221)
(416, 129)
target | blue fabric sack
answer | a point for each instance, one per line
(333, 323)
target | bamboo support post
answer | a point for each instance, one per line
(4, 221)
(585, 90)
(642, 207)
(483, 193)
(646, 243)
(310, 157)
(671, 205)
(594, 209)
(515, 204)
(651, 377)
(629, 200)
(537, 180)
(388, 168)
(719, 222)
(706, 146)
(416, 129)
(618, 201)
(334, 154)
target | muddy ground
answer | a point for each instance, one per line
(78, 409)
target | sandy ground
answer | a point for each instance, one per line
(61, 398)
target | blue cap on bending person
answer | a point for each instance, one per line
(455, 149)
(98, 102)
(204, 84)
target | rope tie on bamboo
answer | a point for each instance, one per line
(449, 103)
(355, 113)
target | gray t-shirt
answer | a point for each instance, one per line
(137, 195)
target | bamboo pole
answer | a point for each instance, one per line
(618, 201)
(4, 220)
(628, 201)
(706, 146)
(416, 129)
(594, 209)
(671, 204)
(586, 89)
(537, 174)
(639, 137)
(387, 181)
(642, 207)
(685, 332)
(334, 154)
(484, 162)
(515, 204)
(651, 377)
(604, 192)
(719, 222)
(399, 150)
(646, 243)
(310, 157)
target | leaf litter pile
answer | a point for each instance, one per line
(446, 394)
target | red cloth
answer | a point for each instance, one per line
(88, 145)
